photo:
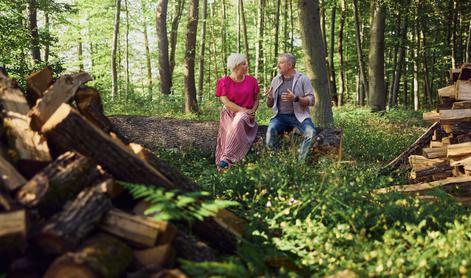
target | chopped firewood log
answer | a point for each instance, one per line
(10, 178)
(431, 116)
(420, 187)
(162, 255)
(60, 92)
(190, 248)
(413, 149)
(231, 221)
(101, 256)
(462, 162)
(452, 116)
(169, 273)
(434, 152)
(13, 233)
(66, 229)
(448, 91)
(418, 162)
(454, 75)
(436, 144)
(463, 138)
(140, 231)
(59, 182)
(6, 202)
(463, 90)
(458, 149)
(445, 103)
(11, 98)
(462, 105)
(447, 128)
(423, 173)
(37, 83)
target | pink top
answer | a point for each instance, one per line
(241, 93)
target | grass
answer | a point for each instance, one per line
(320, 218)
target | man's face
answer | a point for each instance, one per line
(283, 65)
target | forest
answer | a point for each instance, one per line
(379, 70)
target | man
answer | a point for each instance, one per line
(290, 96)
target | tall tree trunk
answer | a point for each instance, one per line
(244, 27)
(33, 29)
(191, 104)
(80, 52)
(394, 60)
(468, 43)
(202, 50)
(46, 24)
(162, 41)
(174, 34)
(114, 71)
(415, 53)
(322, 15)
(333, 85)
(277, 29)
(377, 89)
(223, 36)
(213, 44)
(128, 81)
(146, 46)
(285, 27)
(238, 26)
(405, 78)
(428, 91)
(363, 92)
(401, 60)
(343, 12)
(291, 44)
(453, 34)
(259, 46)
(314, 57)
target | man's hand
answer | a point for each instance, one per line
(288, 96)
(268, 93)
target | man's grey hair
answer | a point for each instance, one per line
(290, 58)
(234, 60)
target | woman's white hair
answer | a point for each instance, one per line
(234, 60)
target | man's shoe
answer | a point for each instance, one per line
(223, 164)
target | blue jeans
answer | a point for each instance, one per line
(286, 122)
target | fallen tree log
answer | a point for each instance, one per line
(59, 182)
(101, 256)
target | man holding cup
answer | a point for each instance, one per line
(290, 96)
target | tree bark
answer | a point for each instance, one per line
(202, 52)
(33, 29)
(415, 58)
(146, 45)
(244, 27)
(277, 29)
(333, 85)
(114, 70)
(80, 53)
(343, 12)
(468, 44)
(47, 46)
(223, 36)
(259, 64)
(377, 88)
(314, 57)
(128, 78)
(363, 92)
(401, 61)
(427, 85)
(174, 34)
(162, 41)
(191, 103)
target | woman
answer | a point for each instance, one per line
(237, 127)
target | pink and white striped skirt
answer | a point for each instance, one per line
(236, 134)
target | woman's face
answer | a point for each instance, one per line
(241, 68)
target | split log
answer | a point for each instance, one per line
(448, 91)
(161, 256)
(62, 91)
(463, 90)
(37, 83)
(462, 105)
(13, 232)
(431, 116)
(421, 187)
(59, 182)
(138, 230)
(436, 144)
(6, 202)
(464, 162)
(101, 256)
(190, 248)
(10, 179)
(418, 162)
(11, 98)
(453, 116)
(66, 229)
(458, 149)
(413, 149)
(434, 152)
(429, 172)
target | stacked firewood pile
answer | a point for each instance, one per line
(441, 157)
(63, 212)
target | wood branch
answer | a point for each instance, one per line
(413, 149)
(101, 256)
(69, 130)
(417, 188)
(59, 182)
(13, 233)
(162, 256)
(138, 230)
(419, 174)
(418, 162)
(453, 116)
(463, 90)
(62, 91)
(434, 152)
(448, 91)
(37, 83)
(66, 229)
(458, 149)
(9, 177)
